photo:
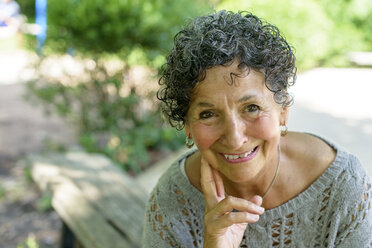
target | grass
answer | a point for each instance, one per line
(29, 243)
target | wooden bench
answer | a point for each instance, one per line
(99, 204)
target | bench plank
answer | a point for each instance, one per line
(121, 198)
(102, 206)
(91, 229)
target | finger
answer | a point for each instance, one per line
(231, 204)
(235, 218)
(219, 184)
(256, 200)
(208, 184)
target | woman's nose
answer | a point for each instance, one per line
(235, 132)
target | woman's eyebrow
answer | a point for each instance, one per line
(242, 99)
(246, 98)
(204, 104)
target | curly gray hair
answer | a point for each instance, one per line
(219, 39)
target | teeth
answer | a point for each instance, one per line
(244, 155)
(232, 157)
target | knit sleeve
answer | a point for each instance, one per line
(356, 227)
(172, 218)
(157, 232)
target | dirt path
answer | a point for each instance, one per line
(24, 129)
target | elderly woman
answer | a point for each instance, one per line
(249, 183)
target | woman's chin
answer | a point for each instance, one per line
(239, 175)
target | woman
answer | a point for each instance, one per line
(249, 183)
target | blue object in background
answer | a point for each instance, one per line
(41, 20)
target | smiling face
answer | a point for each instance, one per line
(235, 124)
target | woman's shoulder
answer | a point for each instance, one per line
(337, 175)
(315, 155)
(169, 179)
(168, 192)
(309, 155)
(316, 151)
(173, 183)
(311, 150)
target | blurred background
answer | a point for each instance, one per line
(82, 74)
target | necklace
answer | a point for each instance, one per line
(274, 178)
(275, 175)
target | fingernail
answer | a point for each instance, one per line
(260, 209)
(255, 217)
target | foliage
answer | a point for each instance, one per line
(28, 174)
(2, 191)
(29, 243)
(113, 115)
(44, 203)
(93, 26)
(27, 8)
(321, 31)
(352, 22)
(122, 27)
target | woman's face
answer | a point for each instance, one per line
(235, 124)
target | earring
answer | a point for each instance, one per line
(189, 142)
(283, 130)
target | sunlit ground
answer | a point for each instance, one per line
(345, 93)
(337, 104)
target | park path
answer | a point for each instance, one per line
(24, 127)
(334, 103)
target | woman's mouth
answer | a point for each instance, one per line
(242, 157)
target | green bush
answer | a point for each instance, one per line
(302, 22)
(322, 31)
(145, 28)
(92, 26)
(27, 9)
(112, 116)
(352, 22)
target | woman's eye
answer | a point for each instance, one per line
(206, 115)
(252, 108)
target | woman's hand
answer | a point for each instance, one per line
(224, 227)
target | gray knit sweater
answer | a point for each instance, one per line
(335, 211)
